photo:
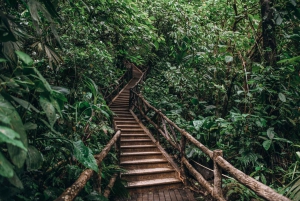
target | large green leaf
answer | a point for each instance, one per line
(25, 58)
(267, 144)
(34, 159)
(14, 180)
(48, 109)
(85, 155)
(9, 136)
(6, 169)
(17, 154)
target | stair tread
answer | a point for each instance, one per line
(153, 182)
(125, 135)
(143, 161)
(140, 153)
(148, 171)
(138, 146)
(136, 140)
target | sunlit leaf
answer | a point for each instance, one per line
(25, 58)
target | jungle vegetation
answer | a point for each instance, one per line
(225, 71)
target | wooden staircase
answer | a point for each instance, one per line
(147, 168)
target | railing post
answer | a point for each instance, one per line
(217, 190)
(97, 177)
(182, 155)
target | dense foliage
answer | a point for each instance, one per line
(226, 71)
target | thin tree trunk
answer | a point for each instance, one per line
(268, 32)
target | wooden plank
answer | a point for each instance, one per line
(178, 195)
(139, 197)
(161, 196)
(145, 196)
(172, 195)
(189, 195)
(151, 196)
(167, 195)
(156, 196)
(183, 194)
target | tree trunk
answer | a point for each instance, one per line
(268, 32)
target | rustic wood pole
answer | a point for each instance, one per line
(182, 155)
(97, 185)
(110, 185)
(217, 191)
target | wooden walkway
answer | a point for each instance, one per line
(162, 195)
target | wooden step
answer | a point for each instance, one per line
(132, 131)
(149, 174)
(128, 125)
(134, 136)
(124, 121)
(127, 142)
(138, 148)
(145, 163)
(140, 155)
(152, 185)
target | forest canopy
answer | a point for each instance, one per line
(225, 71)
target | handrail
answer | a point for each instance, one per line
(71, 192)
(121, 82)
(171, 132)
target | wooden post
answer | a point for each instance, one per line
(217, 191)
(182, 155)
(97, 185)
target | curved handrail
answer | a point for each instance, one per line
(170, 131)
(71, 192)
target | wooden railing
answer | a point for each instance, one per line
(71, 192)
(179, 138)
(112, 90)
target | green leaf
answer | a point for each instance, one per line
(30, 126)
(25, 104)
(267, 144)
(278, 20)
(282, 97)
(16, 181)
(44, 81)
(17, 154)
(198, 123)
(270, 133)
(228, 59)
(263, 179)
(34, 158)
(25, 58)
(85, 155)
(2, 60)
(6, 169)
(9, 136)
(48, 109)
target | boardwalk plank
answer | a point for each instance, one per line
(150, 196)
(172, 195)
(167, 195)
(145, 197)
(161, 196)
(190, 195)
(156, 196)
